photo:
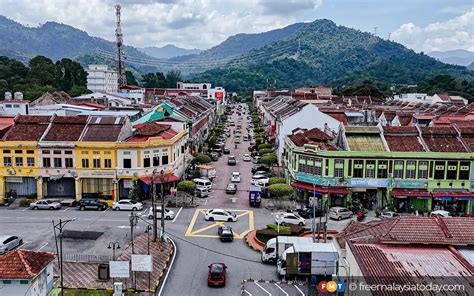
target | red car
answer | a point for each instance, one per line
(216, 274)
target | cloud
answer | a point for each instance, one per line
(456, 33)
(285, 7)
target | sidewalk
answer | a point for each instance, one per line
(84, 275)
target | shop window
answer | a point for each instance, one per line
(146, 162)
(46, 162)
(398, 169)
(85, 163)
(30, 161)
(7, 161)
(439, 170)
(69, 162)
(96, 163)
(6, 151)
(452, 171)
(358, 169)
(108, 163)
(164, 159)
(18, 151)
(46, 152)
(107, 152)
(410, 170)
(370, 168)
(318, 166)
(156, 161)
(68, 152)
(30, 152)
(127, 163)
(56, 151)
(382, 169)
(96, 152)
(58, 162)
(19, 161)
(302, 164)
(464, 170)
(338, 168)
(422, 170)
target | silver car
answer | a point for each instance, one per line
(339, 213)
(45, 205)
(9, 242)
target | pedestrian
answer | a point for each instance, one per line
(416, 213)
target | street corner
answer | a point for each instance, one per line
(199, 227)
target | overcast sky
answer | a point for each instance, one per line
(423, 25)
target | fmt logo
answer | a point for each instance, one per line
(331, 287)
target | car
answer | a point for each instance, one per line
(9, 242)
(307, 212)
(246, 137)
(440, 213)
(45, 205)
(225, 233)
(263, 173)
(220, 215)
(201, 192)
(91, 204)
(235, 177)
(388, 214)
(231, 188)
(216, 275)
(231, 160)
(214, 156)
(232, 124)
(289, 218)
(247, 157)
(339, 213)
(256, 159)
(237, 140)
(256, 178)
(226, 151)
(260, 167)
(127, 204)
(169, 214)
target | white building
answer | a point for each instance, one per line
(102, 79)
(193, 86)
(216, 94)
(14, 106)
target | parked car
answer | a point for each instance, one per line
(339, 213)
(231, 160)
(216, 275)
(260, 167)
(256, 178)
(9, 242)
(388, 214)
(169, 214)
(237, 140)
(289, 218)
(45, 205)
(220, 215)
(201, 192)
(231, 188)
(235, 177)
(256, 159)
(226, 151)
(128, 205)
(247, 157)
(91, 204)
(214, 156)
(440, 213)
(262, 173)
(225, 233)
(307, 212)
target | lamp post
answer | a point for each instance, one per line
(162, 179)
(147, 231)
(59, 226)
(114, 246)
(155, 223)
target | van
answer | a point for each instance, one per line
(203, 183)
(339, 213)
(201, 192)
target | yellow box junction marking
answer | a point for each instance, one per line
(197, 233)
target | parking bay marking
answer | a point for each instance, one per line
(196, 233)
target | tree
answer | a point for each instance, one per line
(268, 159)
(131, 80)
(265, 146)
(42, 71)
(264, 151)
(69, 74)
(78, 90)
(280, 190)
(173, 77)
(276, 180)
(187, 186)
(203, 158)
(154, 80)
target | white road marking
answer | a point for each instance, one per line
(268, 293)
(44, 245)
(281, 289)
(123, 226)
(247, 292)
(299, 290)
(177, 214)
(25, 209)
(66, 209)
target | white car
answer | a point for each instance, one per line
(247, 157)
(220, 215)
(257, 178)
(169, 214)
(9, 242)
(289, 218)
(235, 177)
(440, 213)
(127, 205)
(45, 205)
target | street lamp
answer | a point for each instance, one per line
(59, 227)
(114, 246)
(147, 231)
(162, 179)
(155, 224)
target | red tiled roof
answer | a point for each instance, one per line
(313, 136)
(169, 177)
(404, 119)
(66, 128)
(339, 116)
(442, 139)
(389, 116)
(28, 128)
(403, 143)
(151, 129)
(23, 264)
(400, 130)
(102, 133)
(444, 97)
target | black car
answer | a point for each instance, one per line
(307, 212)
(226, 151)
(260, 167)
(231, 188)
(231, 160)
(91, 204)
(225, 233)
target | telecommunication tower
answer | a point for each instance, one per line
(120, 54)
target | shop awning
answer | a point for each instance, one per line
(407, 192)
(168, 178)
(318, 189)
(448, 195)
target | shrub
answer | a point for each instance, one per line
(268, 159)
(203, 158)
(258, 130)
(264, 151)
(282, 228)
(187, 186)
(26, 202)
(280, 190)
(276, 180)
(265, 146)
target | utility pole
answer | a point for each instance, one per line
(314, 214)
(375, 31)
(155, 223)
(162, 179)
(59, 227)
(119, 43)
(133, 223)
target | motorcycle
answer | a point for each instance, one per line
(360, 216)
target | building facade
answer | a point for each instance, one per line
(102, 79)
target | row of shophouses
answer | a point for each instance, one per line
(100, 156)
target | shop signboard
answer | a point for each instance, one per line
(369, 183)
(97, 174)
(415, 184)
(119, 269)
(316, 180)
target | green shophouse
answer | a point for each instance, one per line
(407, 168)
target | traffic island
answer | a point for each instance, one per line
(84, 275)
